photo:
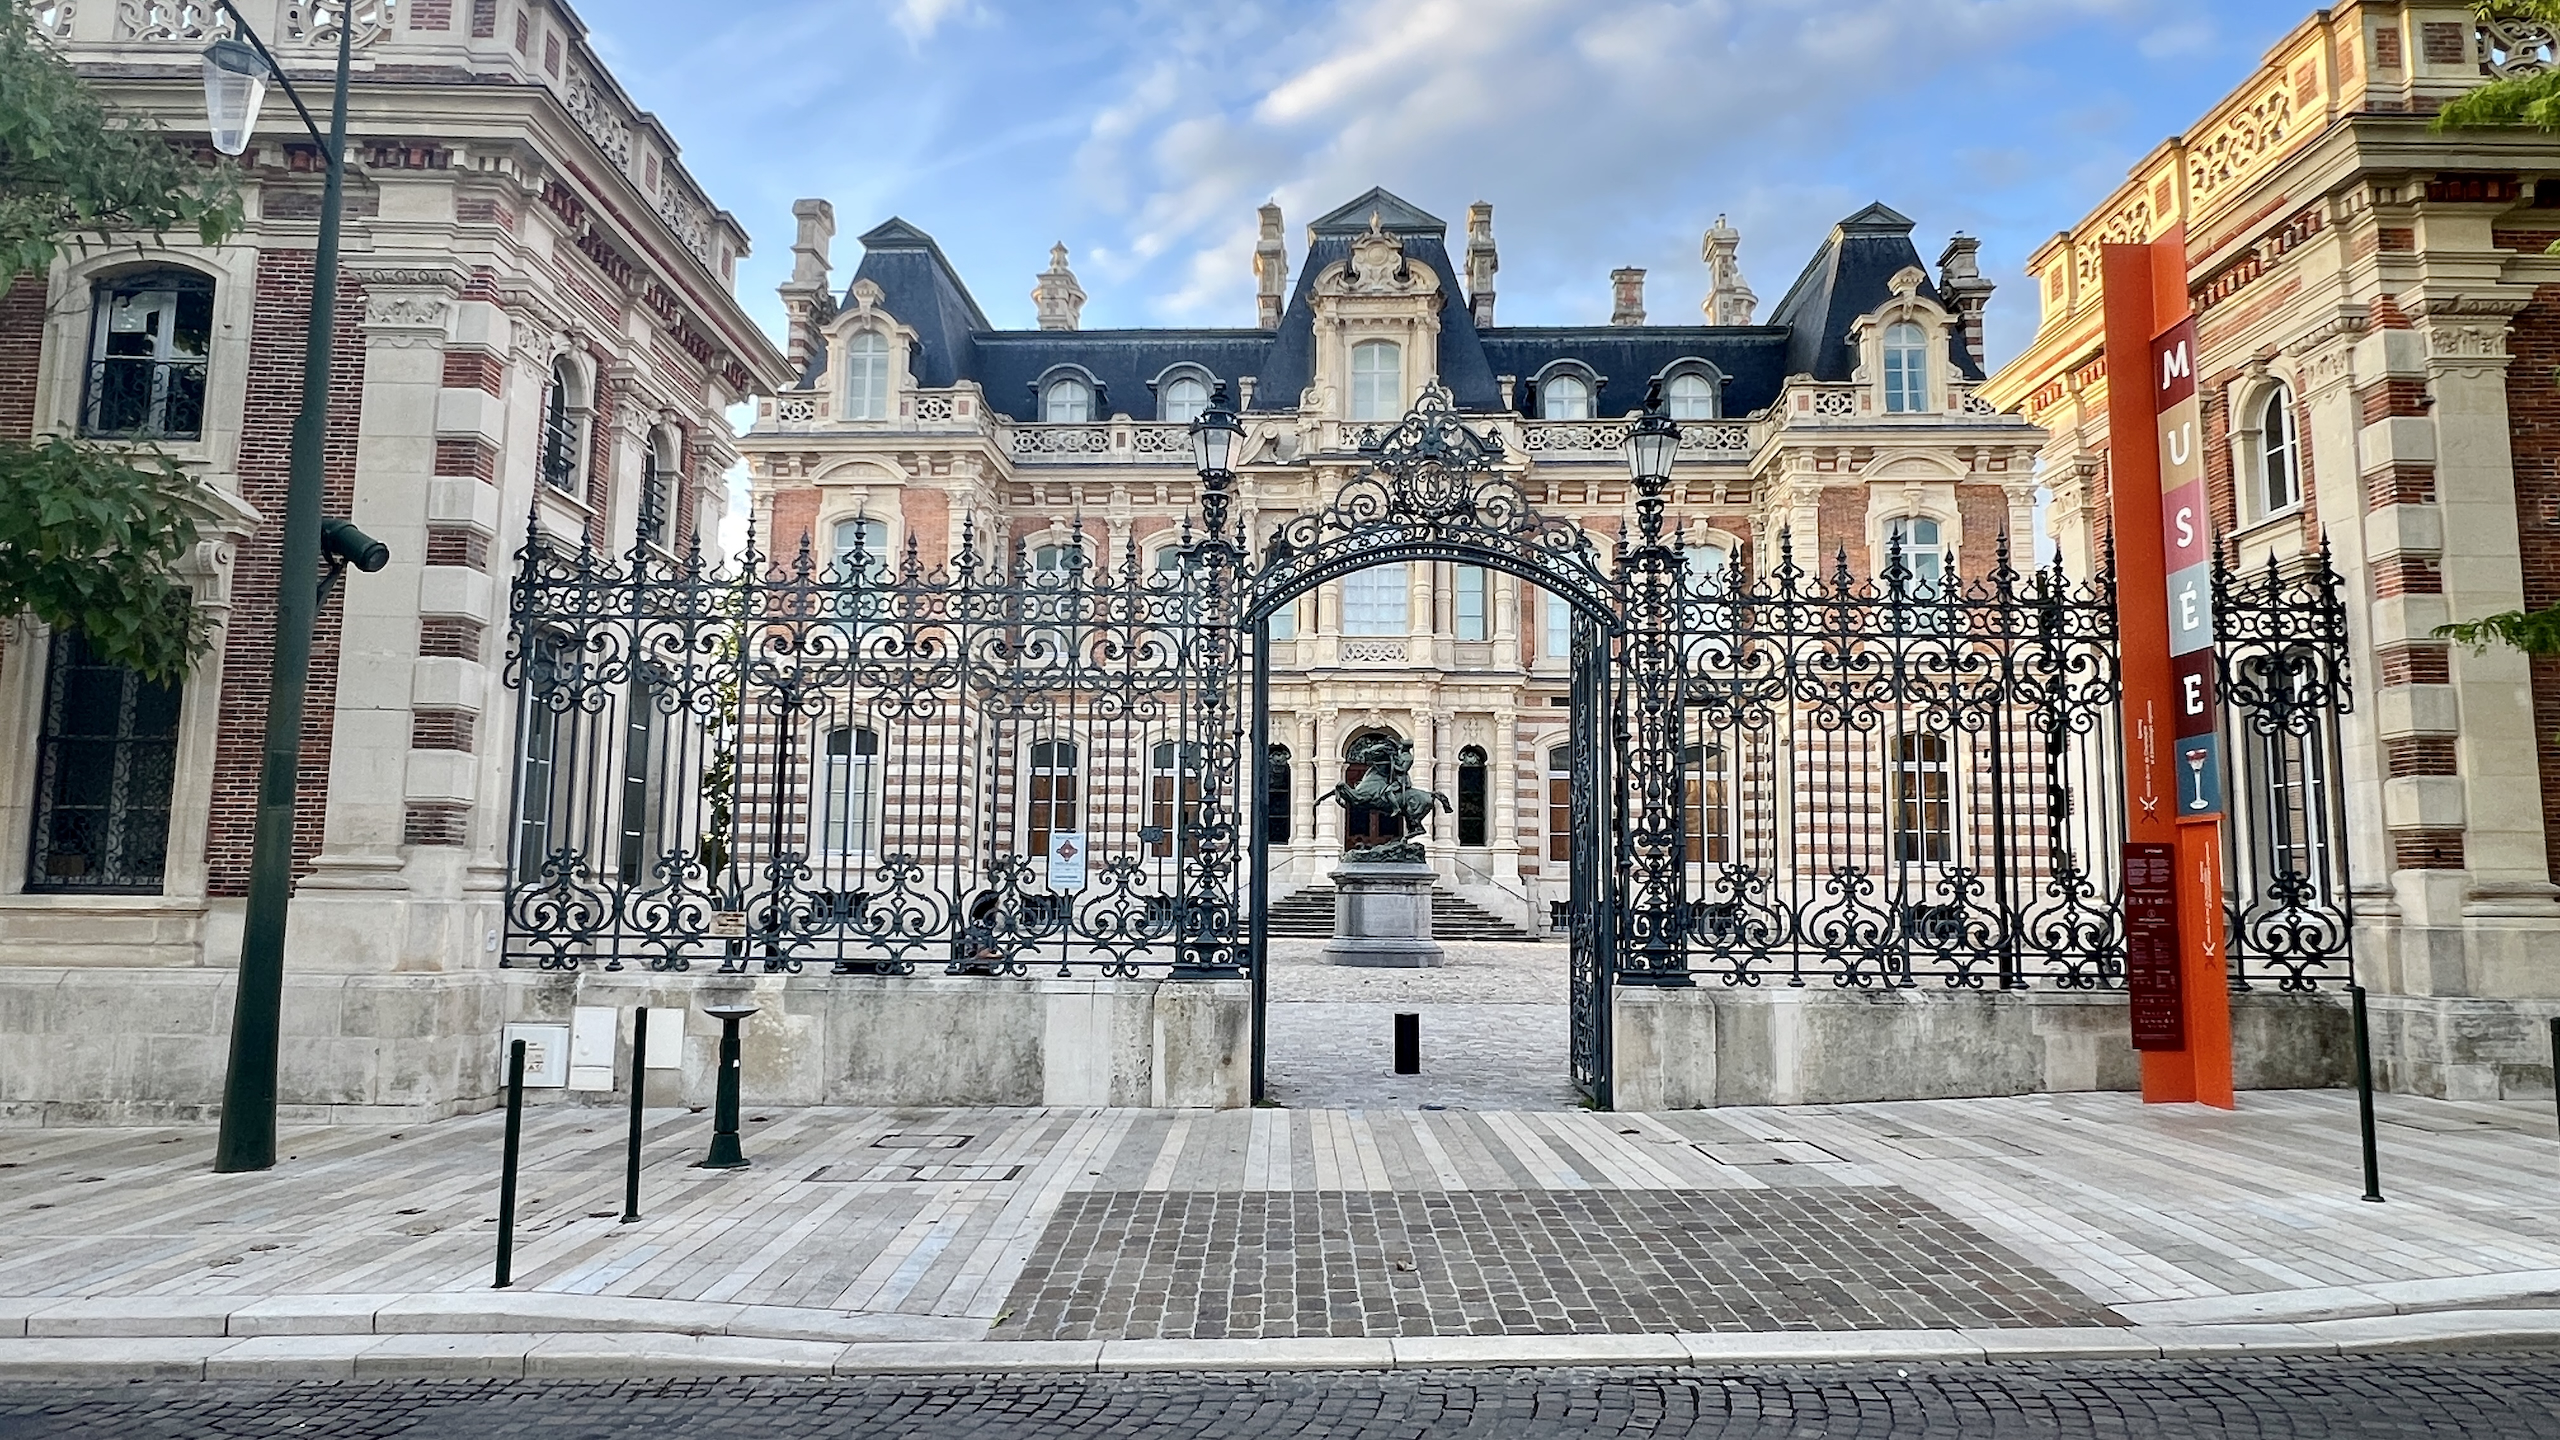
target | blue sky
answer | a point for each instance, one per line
(1144, 133)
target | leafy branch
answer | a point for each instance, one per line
(88, 537)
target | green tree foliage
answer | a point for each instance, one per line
(2531, 101)
(88, 533)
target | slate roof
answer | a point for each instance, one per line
(1807, 333)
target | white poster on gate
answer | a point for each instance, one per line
(1066, 860)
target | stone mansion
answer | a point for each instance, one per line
(1846, 422)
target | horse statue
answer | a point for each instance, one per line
(1387, 786)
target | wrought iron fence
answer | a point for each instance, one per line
(981, 768)
(1889, 782)
(2285, 688)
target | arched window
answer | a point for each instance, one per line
(1053, 792)
(150, 339)
(1276, 802)
(1558, 644)
(657, 487)
(1053, 564)
(562, 462)
(1560, 803)
(1474, 817)
(1066, 402)
(1377, 380)
(1564, 397)
(1185, 400)
(1704, 565)
(1906, 369)
(1377, 601)
(866, 376)
(2280, 470)
(1689, 396)
(1705, 793)
(1921, 800)
(1474, 612)
(849, 793)
(1173, 798)
(865, 538)
(1922, 554)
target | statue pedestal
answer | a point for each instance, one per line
(1382, 916)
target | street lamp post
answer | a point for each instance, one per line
(236, 78)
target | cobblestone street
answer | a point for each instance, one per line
(2478, 1397)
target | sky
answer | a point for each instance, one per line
(1143, 133)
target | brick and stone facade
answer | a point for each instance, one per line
(2391, 285)
(512, 215)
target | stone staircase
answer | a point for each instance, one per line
(1308, 915)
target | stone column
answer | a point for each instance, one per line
(1324, 757)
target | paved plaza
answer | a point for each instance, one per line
(1493, 1029)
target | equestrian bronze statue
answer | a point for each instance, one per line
(1387, 787)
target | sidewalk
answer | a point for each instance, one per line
(870, 1240)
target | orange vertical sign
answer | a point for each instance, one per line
(2181, 1010)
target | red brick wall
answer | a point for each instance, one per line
(21, 350)
(928, 517)
(1843, 523)
(1984, 509)
(266, 444)
(2533, 424)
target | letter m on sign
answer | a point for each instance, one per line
(2175, 353)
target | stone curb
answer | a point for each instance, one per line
(597, 1354)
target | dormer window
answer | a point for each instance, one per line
(1565, 397)
(866, 385)
(1377, 380)
(1184, 401)
(1690, 396)
(1066, 402)
(1906, 369)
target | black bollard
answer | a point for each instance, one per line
(1408, 1043)
(639, 1092)
(725, 1154)
(507, 1168)
(2364, 1094)
(2555, 1059)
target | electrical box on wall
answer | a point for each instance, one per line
(546, 1055)
(666, 1038)
(591, 1036)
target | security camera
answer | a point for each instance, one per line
(347, 545)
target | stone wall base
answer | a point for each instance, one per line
(1690, 1048)
(2462, 1049)
(98, 1045)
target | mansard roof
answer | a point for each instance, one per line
(1850, 276)
(1808, 332)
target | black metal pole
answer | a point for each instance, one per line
(725, 1154)
(248, 1136)
(2364, 1094)
(2555, 1060)
(639, 1093)
(507, 1168)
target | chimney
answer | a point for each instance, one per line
(1482, 261)
(1729, 298)
(1058, 296)
(1627, 288)
(807, 301)
(1270, 269)
(1961, 285)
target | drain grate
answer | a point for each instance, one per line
(1764, 1152)
(912, 1174)
(920, 1140)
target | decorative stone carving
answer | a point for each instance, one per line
(1729, 299)
(316, 22)
(2241, 143)
(1377, 267)
(2512, 49)
(182, 22)
(406, 311)
(1059, 299)
(53, 18)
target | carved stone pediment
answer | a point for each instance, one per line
(1377, 267)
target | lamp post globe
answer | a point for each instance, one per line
(235, 85)
(1214, 436)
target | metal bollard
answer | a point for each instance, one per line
(1408, 1043)
(2555, 1060)
(507, 1168)
(725, 1154)
(2364, 1094)
(639, 1092)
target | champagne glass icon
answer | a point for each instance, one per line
(2195, 766)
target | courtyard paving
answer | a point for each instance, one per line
(1493, 1029)
(2046, 1215)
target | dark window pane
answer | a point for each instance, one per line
(106, 763)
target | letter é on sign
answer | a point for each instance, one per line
(2182, 444)
(2173, 365)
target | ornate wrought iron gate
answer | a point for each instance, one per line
(1023, 760)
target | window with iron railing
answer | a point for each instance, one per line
(561, 466)
(106, 763)
(150, 343)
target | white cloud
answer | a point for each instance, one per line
(918, 19)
